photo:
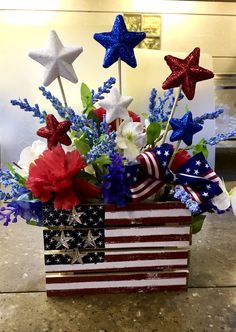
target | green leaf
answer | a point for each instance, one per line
(145, 115)
(81, 145)
(88, 177)
(32, 223)
(20, 178)
(201, 147)
(153, 132)
(186, 109)
(197, 223)
(86, 98)
(102, 160)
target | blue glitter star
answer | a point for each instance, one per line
(119, 43)
(184, 128)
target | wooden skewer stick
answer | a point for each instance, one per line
(118, 121)
(174, 153)
(171, 115)
(62, 91)
(119, 75)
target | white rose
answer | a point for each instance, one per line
(28, 155)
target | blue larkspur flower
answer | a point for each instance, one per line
(114, 187)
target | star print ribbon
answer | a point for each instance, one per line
(198, 179)
(149, 176)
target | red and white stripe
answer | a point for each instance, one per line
(150, 185)
(212, 176)
(116, 283)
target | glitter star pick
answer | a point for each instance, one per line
(115, 105)
(62, 240)
(55, 132)
(184, 129)
(57, 59)
(186, 72)
(119, 43)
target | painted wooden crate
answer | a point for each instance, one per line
(101, 249)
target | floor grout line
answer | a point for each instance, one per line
(190, 287)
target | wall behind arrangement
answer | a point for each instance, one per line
(185, 24)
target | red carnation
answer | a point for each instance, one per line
(101, 111)
(53, 174)
(179, 159)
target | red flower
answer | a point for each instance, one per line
(53, 174)
(101, 111)
(179, 159)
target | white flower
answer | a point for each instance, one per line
(28, 155)
(222, 201)
(232, 195)
(131, 138)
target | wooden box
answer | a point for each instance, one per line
(102, 249)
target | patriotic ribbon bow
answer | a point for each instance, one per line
(198, 179)
(148, 177)
(150, 174)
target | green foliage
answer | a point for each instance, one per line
(200, 147)
(153, 132)
(186, 109)
(87, 177)
(86, 98)
(102, 160)
(81, 145)
(21, 179)
(197, 223)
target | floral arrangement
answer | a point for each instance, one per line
(108, 153)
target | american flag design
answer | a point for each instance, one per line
(148, 177)
(198, 179)
(101, 248)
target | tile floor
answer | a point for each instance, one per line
(209, 305)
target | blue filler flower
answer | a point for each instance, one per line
(114, 187)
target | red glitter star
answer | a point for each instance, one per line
(186, 72)
(55, 131)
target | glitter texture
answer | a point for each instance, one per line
(119, 43)
(186, 72)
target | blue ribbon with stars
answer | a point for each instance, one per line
(195, 176)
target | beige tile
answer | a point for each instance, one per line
(200, 310)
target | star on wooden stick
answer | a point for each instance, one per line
(116, 105)
(90, 240)
(57, 59)
(186, 72)
(62, 240)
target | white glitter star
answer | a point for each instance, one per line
(198, 162)
(206, 166)
(188, 170)
(115, 105)
(196, 172)
(57, 59)
(205, 194)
